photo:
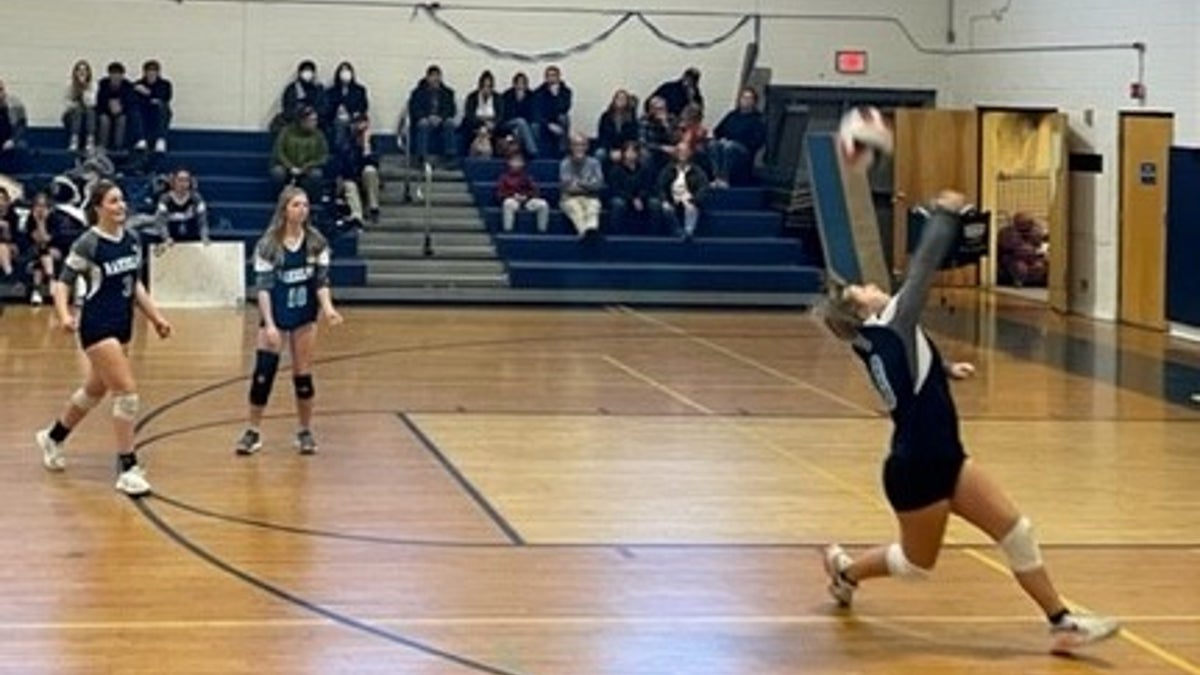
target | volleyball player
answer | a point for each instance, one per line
(292, 264)
(108, 257)
(927, 475)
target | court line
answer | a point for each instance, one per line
(751, 362)
(482, 502)
(1133, 638)
(660, 387)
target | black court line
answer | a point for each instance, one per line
(271, 589)
(504, 526)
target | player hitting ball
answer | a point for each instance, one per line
(927, 475)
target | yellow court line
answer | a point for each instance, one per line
(753, 363)
(1133, 638)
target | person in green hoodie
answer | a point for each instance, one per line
(300, 154)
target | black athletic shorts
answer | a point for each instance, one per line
(912, 483)
(90, 335)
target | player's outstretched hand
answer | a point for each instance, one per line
(961, 370)
(333, 317)
(163, 328)
(951, 201)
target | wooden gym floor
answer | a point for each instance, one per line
(588, 492)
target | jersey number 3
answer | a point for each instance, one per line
(127, 290)
(297, 297)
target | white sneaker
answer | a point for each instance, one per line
(836, 562)
(160, 146)
(73, 145)
(140, 145)
(35, 298)
(133, 482)
(1078, 630)
(52, 453)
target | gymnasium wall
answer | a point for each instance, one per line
(1091, 87)
(230, 60)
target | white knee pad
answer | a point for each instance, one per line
(899, 566)
(1021, 547)
(82, 400)
(125, 406)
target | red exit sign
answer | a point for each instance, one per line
(851, 61)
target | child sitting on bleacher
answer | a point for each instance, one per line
(517, 191)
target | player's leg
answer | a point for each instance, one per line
(303, 344)
(980, 501)
(110, 362)
(266, 365)
(51, 439)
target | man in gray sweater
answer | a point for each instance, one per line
(582, 181)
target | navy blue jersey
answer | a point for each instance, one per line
(110, 266)
(185, 220)
(292, 277)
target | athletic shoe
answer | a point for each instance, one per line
(133, 482)
(140, 145)
(52, 453)
(1078, 630)
(836, 562)
(249, 443)
(35, 298)
(160, 146)
(306, 442)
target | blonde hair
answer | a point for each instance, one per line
(314, 241)
(839, 312)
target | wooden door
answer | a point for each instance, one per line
(1058, 277)
(935, 150)
(1144, 146)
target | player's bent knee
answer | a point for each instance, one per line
(126, 406)
(1021, 548)
(83, 400)
(266, 365)
(305, 389)
(899, 565)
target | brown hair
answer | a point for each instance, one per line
(838, 312)
(313, 239)
(96, 198)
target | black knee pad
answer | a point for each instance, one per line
(266, 364)
(304, 387)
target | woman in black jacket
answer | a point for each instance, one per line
(618, 126)
(517, 114)
(483, 109)
(345, 100)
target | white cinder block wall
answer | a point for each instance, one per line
(1081, 82)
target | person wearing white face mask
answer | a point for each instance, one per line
(345, 100)
(305, 90)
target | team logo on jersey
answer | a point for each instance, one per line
(296, 276)
(119, 266)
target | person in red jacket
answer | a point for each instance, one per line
(517, 191)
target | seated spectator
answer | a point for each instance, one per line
(431, 111)
(12, 132)
(657, 135)
(9, 250)
(582, 181)
(79, 118)
(517, 114)
(682, 187)
(516, 191)
(633, 197)
(1023, 246)
(738, 138)
(482, 113)
(181, 214)
(303, 91)
(37, 231)
(116, 104)
(358, 172)
(345, 101)
(300, 153)
(618, 126)
(552, 112)
(154, 95)
(691, 130)
(677, 94)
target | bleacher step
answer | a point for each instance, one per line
(417, 280)
(436, 266)
(441, 250)
(415, 238)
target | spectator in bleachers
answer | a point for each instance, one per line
(431, 111)
(12, 131)
(9, 250)
(482, 111)
(304, 90)
(737, 140)
(358, 171)
(116, 104)
(682, 187)
(154, 93)
(345, 101)
(79, 118)
(657, 135)
(517, 114)
(632, 189)
(38, 232)
(691, 130)
(300, 153)
(516, 192)
(181, 214)
(618, 126)
(679, 93)
(552, 112)
(582, 181)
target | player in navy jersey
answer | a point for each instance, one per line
(927, 475)
(292, 264)
(181, 214)
(108, 257)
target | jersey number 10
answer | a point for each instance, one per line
(297, 297)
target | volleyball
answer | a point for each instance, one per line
(862, 134)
